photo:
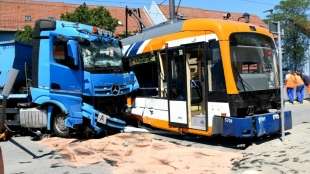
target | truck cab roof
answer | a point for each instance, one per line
(46, 28)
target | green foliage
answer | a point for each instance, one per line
(293, 17)
(25, 35)
(99, 17)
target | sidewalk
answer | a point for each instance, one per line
(307, 96)
(306, 101)
(276, 157)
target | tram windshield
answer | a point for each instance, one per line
(254, 61)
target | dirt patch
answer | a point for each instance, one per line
(141, 153)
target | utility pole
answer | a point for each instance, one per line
(275, 27)
(126, 21)
(281, 79)
(137, 15)
(172, 11)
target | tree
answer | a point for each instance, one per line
(25, 35)
(293, 17)
(99, 17)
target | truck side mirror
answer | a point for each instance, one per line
(73, 53)
(126, 66)
(120, 44)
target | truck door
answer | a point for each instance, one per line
(177, 87)
(65, 71)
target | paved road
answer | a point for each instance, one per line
(18, 161)
(40, 160)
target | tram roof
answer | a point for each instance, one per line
(223, 29)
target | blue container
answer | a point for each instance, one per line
(14, 55)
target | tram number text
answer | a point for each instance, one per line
(276, 116)
(228, 120)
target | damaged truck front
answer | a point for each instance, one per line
(70, 78)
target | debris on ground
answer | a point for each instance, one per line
(141, 153)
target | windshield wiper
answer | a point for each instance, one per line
(242, 81)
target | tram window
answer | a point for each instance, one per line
(215, 66)
(195, 58)
(163, 75)
(177, 88)
(146, 70)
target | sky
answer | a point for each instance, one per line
(256, 7)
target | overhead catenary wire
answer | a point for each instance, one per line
(124, 2)
(162, 2)
(176, 12)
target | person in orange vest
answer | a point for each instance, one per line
(290, 84)
(300, 88)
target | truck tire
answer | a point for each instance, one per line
(59, 127)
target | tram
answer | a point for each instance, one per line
(206, 77)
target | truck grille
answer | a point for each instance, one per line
(111, 90)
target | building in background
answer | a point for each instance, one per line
(15, 14)
(160, 13)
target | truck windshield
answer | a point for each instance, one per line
(102, 56)
(254, 61)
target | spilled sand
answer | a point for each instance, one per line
(143, 154)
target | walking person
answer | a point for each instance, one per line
(290, 84)
(300, 88)
(306, 80)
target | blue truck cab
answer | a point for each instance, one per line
(77, 79)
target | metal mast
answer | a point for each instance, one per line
(281, 80)
(172, 11)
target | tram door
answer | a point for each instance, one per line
(177, 87)
(197, 75)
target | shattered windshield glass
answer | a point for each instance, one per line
(101, 55)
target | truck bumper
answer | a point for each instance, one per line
(105, 122)
(251, 126)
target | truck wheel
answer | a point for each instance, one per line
(59, 126)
